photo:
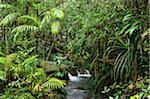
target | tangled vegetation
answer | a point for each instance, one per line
(41, 39)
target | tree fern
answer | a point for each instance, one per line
(10, 18)
(25, 28)
(53, 83)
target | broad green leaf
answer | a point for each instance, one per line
(55, 28)
(56, 13)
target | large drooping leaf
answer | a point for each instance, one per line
(55, 28)
(56, 13)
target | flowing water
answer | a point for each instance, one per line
(77, 87)
(77, 90)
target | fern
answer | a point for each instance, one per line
(28, 17)
(25, 28)
(29, 64)
(10, 18)
(46, 20)
(53, 83)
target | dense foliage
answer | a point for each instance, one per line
(40, 40)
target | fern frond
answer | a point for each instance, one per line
(25, 28)
(46, 20)
(28, 17)
(10, 18)
(29, 61)
(54, 83)
(6, 6)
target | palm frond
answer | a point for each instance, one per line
(54, 83)
(10, 18)
(25, 28)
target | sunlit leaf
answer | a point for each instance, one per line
(55, 28)
(56, 13)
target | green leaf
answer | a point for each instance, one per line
(46, 20)
(15, 37)
(6, 6)
(2, 75)
(132, 29)
(55, 28)
(53, 83)
(10, 18)
(127, 17)
(11, 56)
(56, 13)
(111, 97)
(25, 28)
(28, 17)
(3, 60)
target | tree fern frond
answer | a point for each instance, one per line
(6, 6)
(54, 83)
(25, 28)
(46, 20)
(28, 17)
(10, 18)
